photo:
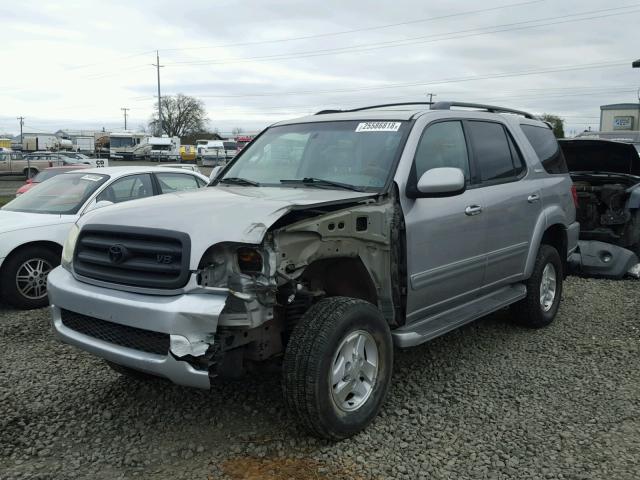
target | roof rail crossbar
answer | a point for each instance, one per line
(372, 107)
(488, 108)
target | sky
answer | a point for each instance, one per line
(75, 64)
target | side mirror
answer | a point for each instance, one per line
(442, 182)
(29, 180)
(214, 173)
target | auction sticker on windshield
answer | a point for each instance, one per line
(378, 127)
(93, 178)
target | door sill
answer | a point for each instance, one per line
(431, 327)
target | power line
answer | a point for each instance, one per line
(306, 37)
(442, 81)
(596, 14)
(356, 30)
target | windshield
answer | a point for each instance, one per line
(355, 153)
(46, 174)
(161, 147)
(230, 145)
(63, 194)
(118, 142)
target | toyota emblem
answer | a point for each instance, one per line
(117, 253)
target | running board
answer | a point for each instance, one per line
(436, 325)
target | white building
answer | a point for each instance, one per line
(620, 116)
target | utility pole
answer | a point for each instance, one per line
(431, 95)
(21, 124)
(158, 66)
(125, 109)
(21, 143)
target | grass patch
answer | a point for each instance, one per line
(4, 200)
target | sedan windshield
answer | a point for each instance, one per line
(314, 155)
(63, 194)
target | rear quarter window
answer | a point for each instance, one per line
(547, 148)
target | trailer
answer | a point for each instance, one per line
(40, 141)
(85, 145)
(158, 149)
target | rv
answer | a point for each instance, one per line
(158, 149)
(122, 144)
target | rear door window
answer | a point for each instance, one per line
(495, 153)
(176, 182)
(546, 147)
(131, 187)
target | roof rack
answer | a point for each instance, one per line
(488, 108)
(371, 107)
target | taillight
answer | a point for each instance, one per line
(574, 195)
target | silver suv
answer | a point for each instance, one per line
(324, 243)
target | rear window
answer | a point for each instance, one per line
(546, 146)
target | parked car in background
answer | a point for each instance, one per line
(33, 227)
(606, 176)
(188, 153)
(325, 241)
(56, 159)
(192, 168)
(15, 163)
(46, 174)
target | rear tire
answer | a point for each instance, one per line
(33, 172)
(544, 291)
(23, 279)
(337, 367)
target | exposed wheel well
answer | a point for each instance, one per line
(344, 277)
(556, 236)
(53, 246)
(34, 170)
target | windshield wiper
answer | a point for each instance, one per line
(321, 182)
(239, 181)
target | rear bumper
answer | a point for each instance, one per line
(190, 320)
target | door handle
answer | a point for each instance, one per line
(534, 197)
(473, 210)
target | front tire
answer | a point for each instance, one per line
(337, 367)
(544, 291)
(23, 280)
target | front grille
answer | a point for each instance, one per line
(142, 257)
(130, 337)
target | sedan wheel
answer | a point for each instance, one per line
(31, 278)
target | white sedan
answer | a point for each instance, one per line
(34, 226)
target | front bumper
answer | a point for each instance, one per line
(190, 319)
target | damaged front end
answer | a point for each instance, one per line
(338, 249)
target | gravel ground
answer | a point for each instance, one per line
(490, 400)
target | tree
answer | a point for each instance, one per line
(556, 122)
(181, 115)
(236, 131)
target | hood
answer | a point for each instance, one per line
(10, 221)
(588, 155)
(217, 214)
